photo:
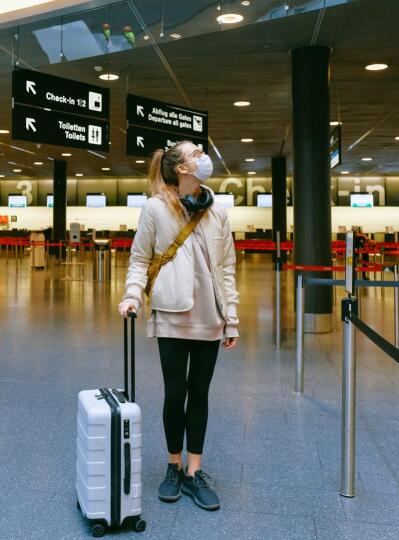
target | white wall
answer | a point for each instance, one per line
(36, 217)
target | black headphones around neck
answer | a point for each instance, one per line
(194, 204)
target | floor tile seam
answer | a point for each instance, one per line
(315, 528)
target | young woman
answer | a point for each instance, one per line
(193, 303)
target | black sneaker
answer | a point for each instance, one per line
(170, 488)
(197, 487)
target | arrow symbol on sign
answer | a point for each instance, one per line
(30, 124)
(140, 110)
(140, 141)
(30, 87)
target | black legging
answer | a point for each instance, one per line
(174, 358)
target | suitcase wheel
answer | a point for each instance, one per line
(140, 525)
(98, 530)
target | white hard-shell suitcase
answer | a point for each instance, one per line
(108, 465)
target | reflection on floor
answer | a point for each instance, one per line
(274, 456)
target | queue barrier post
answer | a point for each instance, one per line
(300, 316)
(348, 399)
(396, 305)
(278, 290)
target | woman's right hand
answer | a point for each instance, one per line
(125, 306)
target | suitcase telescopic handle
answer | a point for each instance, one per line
(132, 316)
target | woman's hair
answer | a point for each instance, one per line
(162, 176)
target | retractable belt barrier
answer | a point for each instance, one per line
(378, 340)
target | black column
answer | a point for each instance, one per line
(312, 182)
(279, 189)
(60, 202)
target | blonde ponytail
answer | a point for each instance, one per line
(162, 177)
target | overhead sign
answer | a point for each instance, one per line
(63, 129)
(156, 124)
(165, 116)
(335, 147)
(42, 90)
(142, 141)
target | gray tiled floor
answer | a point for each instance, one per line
(273, 455)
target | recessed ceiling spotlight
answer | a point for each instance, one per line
(4, 131)
(241, 103)
(146, 37)
(396, 138)
(175, 36)
(335, 123)
(219, 8)
(98, 68)
(251, 172)
(38, 163)
(105, 169)
(345, 172)
(140, 161)
(2, 175)
(109, 77)
(250, 159)
(66, 154)
(367, 158)
(78, 174)
(17, 170)
(247, 140)
(230, 18)
(245, 3)
(376, 67)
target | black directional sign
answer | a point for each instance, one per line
(50, 127)
(155, 124)
(142, 141)
(42, 90)
(165, 116)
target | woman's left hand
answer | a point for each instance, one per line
(230, 342)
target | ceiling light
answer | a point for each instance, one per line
(2, 175)
(175, 36)
(66, 154)
(17, 170)
(247, 140)
(335, 123)
(250, 159)
(38, 163)
(367, 158)
(251, 172)
(146, 37)
(4, 131)
(140, 161)
(344, 172)
(229, 18)
(109, 77)
(105, 169)
(219, 8)
(376, 67)
(78, 174)
(245, 3)
(396, 138)
(98, 68)
(242, 103)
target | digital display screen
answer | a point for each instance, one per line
(136, 200)
(17, 201)
(362, 200)
(264, 200)
(226, 199)
(96, 200)
(50, 201)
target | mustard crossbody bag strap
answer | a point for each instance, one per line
(159, 260)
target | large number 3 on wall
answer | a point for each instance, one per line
(26, 189)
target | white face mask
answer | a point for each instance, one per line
(204, 167)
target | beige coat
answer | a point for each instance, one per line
(174, 286)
